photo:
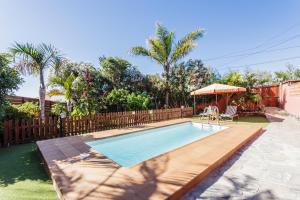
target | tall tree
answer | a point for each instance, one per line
(34, 60)
(189, 76)
(199, 75)
(9, 78)
(114, 69)
(163, 49)
(154, 87)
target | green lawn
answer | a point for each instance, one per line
(22, 175)
(255, 120)
(262, 121)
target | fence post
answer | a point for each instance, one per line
(62, 125)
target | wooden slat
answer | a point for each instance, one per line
(19, 131)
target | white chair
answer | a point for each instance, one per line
(206, 112)
(231, 112)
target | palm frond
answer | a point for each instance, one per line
(168, 43)
(55, 81)
(186, 45)
(161, 32)
(157, 50)
(182, 50)
(29, 57)
(139, 51)
(55, 92)
(68, 86)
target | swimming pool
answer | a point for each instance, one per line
(130, 149)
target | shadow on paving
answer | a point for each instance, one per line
(20, 162)
(238, 185)
(126, 189)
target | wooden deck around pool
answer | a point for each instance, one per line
(168, 176)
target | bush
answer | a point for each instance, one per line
(29, 109)
(26, 110)
(58, 108)
(137, 101)
(122, 99)
(82, 107)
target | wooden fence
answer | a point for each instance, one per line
(16, 100)
(22, 131)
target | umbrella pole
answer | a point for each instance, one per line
(226, 100)
(216, 100)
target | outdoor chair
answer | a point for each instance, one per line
(214, 113)
(231, 112)
(206, 112)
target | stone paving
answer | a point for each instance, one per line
(267, 169)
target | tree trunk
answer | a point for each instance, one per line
(69, 106)
(42, 96)
(167, 76)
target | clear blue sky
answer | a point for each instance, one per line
(85, 30)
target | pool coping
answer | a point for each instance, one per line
(155, 157)
(62, 159)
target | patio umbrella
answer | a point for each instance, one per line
(217, 88)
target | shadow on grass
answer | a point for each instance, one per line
(20, 162)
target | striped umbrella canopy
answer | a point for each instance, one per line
(217, 88)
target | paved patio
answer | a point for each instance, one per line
(167, 176)
(267, 169)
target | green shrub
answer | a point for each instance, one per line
(82, 107)
(137, 101)
(29, 109)
(58, 108)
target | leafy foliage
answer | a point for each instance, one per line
(189, 76)
(163, 49)
(58, 108)
(121, 74)
(29, 108)
(33, 60)
(137, 101)
(9, 78)
(121, 100)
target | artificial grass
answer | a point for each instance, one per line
(22, 175)
(259, 120)
(255, 120)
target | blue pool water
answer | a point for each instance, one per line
(130, 149)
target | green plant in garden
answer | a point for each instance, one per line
(9, 82)
(62, 86)
(117, 98)
(137, 101)
(121, 74)
(31, 109)
(83, 107)
(163, 49)
(34, 60)
(114, 69)
(154, 87)
(9, 78)
(234, 78)
(58, 108)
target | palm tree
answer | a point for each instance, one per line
(163, 49)
(34, 60)
(62, 87)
